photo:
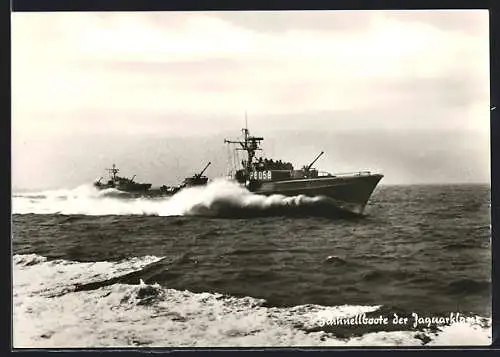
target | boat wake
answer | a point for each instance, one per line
(220, 198)
(63, 303)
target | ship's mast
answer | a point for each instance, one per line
(113, 171)
(250, 144)
(246, 120)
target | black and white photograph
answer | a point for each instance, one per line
(212, 179)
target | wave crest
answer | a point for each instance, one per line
(118, 314)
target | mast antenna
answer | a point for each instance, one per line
(250, 144)
(113, 171)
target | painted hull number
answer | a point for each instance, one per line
(261, 175)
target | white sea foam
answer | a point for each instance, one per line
(51, 277)
(121, 315)
(208, 200)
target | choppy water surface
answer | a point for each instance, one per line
(103, 269)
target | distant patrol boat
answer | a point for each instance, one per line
(192, 181)
(121, 183)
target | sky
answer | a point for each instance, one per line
(402, 93)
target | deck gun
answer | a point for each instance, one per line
(202, 171)
(307, 168)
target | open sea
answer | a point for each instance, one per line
(102, 269)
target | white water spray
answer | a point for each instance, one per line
(218, 196)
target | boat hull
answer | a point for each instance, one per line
(135, 188)
(348, 193)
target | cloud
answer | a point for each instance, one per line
(126, 62)
(463, 21)
(194, 74)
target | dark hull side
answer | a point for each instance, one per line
(132, 188)
(349, 193)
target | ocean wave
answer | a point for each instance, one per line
(469, 286)
(220, 198)
(36, 275)
(116, 314)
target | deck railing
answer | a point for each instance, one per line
(355, 173)
(230, 174)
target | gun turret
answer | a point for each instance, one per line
(132, 179)
(307, 168)
(202, 171)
